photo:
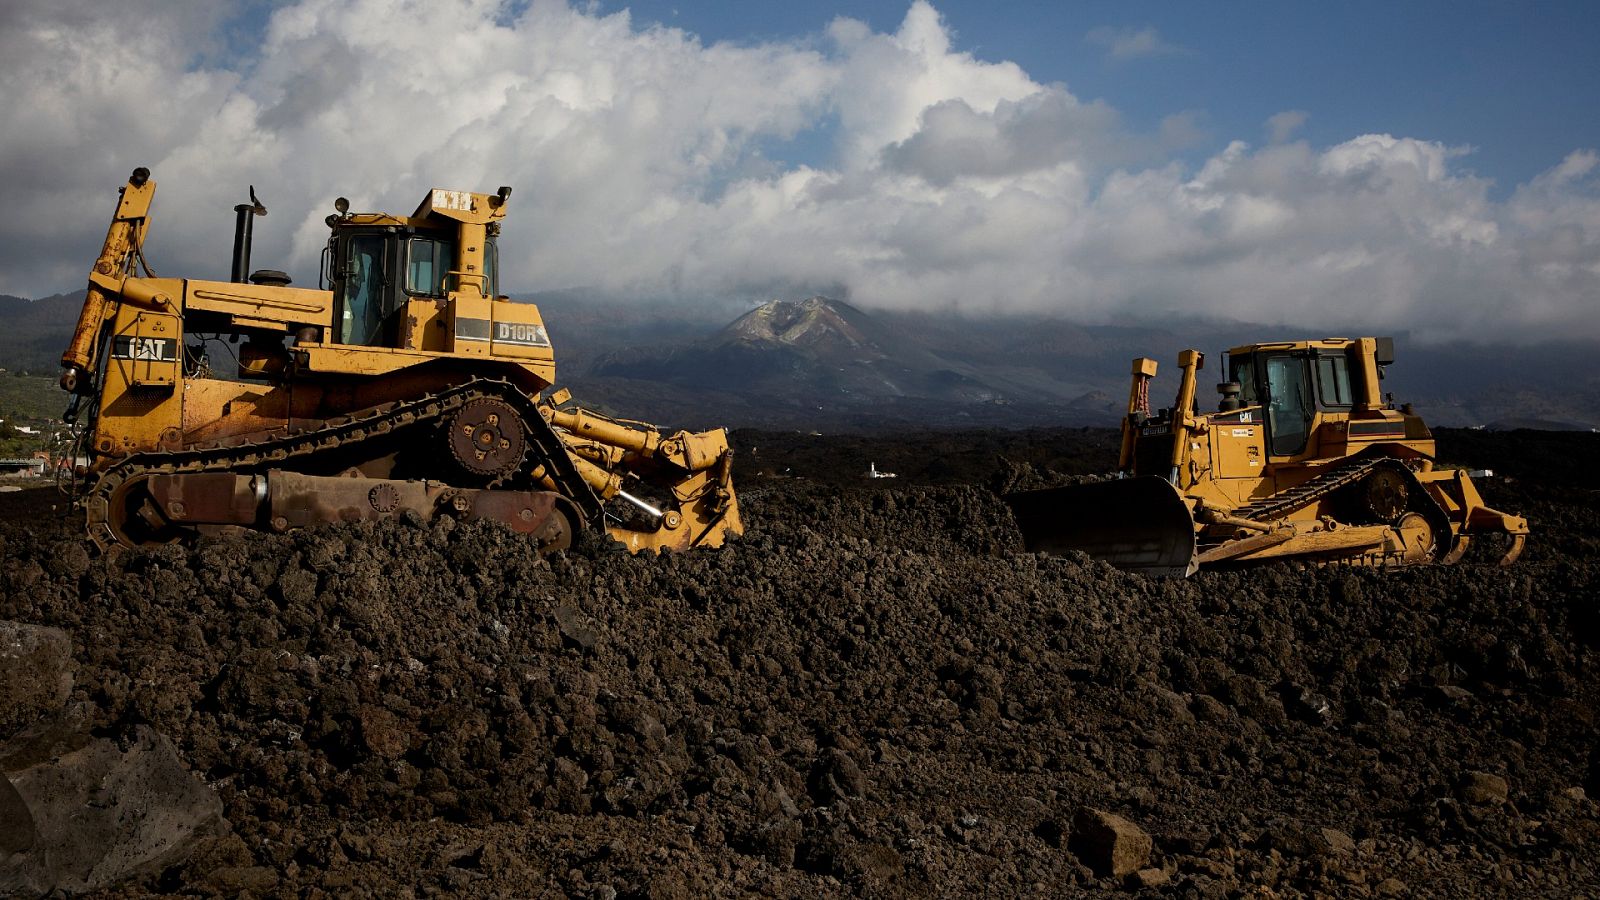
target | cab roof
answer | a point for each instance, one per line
(439, 203)
(1332, 343)
(1382, 347)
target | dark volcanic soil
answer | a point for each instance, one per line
(872, 693)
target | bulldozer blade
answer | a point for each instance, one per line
(1138, 524)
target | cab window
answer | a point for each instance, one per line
(1333, 382)
(1289, 404)
(1242, 370)
(427, 261)
(362, 313)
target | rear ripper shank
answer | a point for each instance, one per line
(1302, 460)
(405, 385)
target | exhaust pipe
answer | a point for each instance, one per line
(243, 235)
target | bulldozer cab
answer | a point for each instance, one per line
(380, 267)
(375, 272)
(1277, 383)
(1290, 385)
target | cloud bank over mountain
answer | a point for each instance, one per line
(650, 164)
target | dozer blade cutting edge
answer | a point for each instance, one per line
(1138, 524)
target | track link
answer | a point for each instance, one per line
(1308, 492)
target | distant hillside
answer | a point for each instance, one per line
(817, 350)
(823, 364)
(36, 331)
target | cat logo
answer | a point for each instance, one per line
(519, 333)
(145, 349)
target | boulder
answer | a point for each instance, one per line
(1108, 843)
(1484, 789)
(102, 811)
(1332, 841)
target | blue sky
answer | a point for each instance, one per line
(1413, 165)
(1518, 82)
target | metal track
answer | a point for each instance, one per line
(1280, 505)
(1306, 493)
(365, 425)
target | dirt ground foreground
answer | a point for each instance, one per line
(874, 692)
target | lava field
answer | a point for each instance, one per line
(874, 692)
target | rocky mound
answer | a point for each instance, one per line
(871, 693)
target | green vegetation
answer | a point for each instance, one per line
(31, 397)
(33, 401)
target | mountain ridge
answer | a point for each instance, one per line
(824, 363)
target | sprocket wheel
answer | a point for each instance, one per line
(1384, 496)
(487, 439)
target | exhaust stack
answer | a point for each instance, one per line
(243, 234)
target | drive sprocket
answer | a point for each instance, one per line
(487, 438)
(1383, 496)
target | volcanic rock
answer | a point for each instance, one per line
(874, 692)
(1484, 789)
(105, 812)
(1332, 841)
(1110, 844)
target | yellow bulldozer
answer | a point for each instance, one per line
(405, 385)
(1304, 459)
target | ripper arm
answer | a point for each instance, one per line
(106, 290)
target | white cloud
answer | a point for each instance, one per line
(1124, 43)
(640, 158)
(1282, 126)
(1045, 129)
(886, 82)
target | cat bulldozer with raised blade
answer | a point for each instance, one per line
(408, 387)
(1304, 459)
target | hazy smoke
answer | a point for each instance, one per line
(647, 164)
